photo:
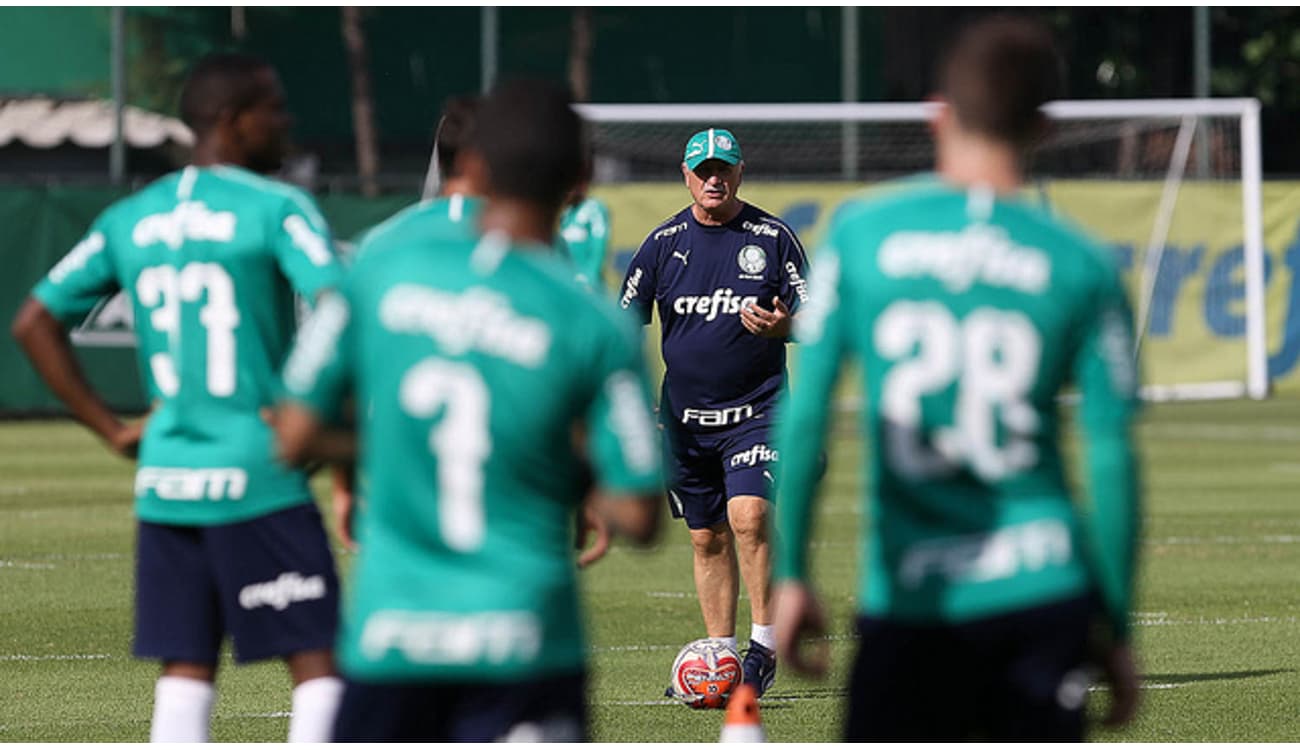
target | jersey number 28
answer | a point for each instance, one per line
(992, 356)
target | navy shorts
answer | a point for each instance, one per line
(268, 582)
(1016, 677)
(706, 469)
(552, 709)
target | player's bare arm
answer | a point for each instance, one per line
(45, 341)
(302, 437)
(1119, 669)
(591, 528)
(634, 517)
(799, 615)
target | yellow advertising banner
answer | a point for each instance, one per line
(1196, 323)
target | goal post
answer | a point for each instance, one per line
(1151, 176)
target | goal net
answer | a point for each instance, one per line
(1172, 185)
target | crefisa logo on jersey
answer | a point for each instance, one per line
(630, 292)
(752, 261)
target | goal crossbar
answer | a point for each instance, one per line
(1245, 110)
(1099, 109)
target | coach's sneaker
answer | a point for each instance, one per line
(760, 667)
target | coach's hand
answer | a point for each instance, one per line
(798, 614)
(774, 324)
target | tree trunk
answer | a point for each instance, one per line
(363, 110)
(580, 37)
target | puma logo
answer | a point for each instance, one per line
(681, 255)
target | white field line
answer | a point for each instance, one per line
(1144, 686)
(270, 715)
(16, 565)
(764, 701)
(1264, 539)
(627, 550)
(647, 647)
(798, 699)
(54, 657)
(1227, 432)
(74, 557)
(1161, 619)
(33, 562)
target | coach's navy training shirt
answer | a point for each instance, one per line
(718, 374)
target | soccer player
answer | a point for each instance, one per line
(727, 278)
(584, 226)
(453, 213)
(491, 377)
(970, 309)
(230, 541)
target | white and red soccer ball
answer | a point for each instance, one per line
(705, 672)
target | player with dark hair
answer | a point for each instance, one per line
(727, 278)
(452, 135)
(491, 379)
(230, 541)
(584, 226)
(985, 593)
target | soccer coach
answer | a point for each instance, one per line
(727, 278)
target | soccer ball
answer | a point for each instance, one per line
(705, 672)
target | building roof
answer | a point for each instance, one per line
(47, 123)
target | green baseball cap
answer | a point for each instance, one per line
(714, 143)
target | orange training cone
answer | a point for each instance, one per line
(743, 723)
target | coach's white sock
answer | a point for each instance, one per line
(763, 635)
(729, 640)
(315, 702)
(182, 710)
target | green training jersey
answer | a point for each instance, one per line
(474, 366)
(449, 217)
(585, 228)
(454, 216)
(969, 313)
(211, 258)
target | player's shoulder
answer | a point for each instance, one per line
(1066, 239)
(574, 300)
(590, 208)
(124, 213)
(764, 224)
(887, 198)
(272, 192)
(444, 219)
(669, 227)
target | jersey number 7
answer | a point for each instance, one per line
(460, 441)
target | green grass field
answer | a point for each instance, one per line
(1218, 614)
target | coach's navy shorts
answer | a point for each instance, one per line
(268, 582)
(1021, 676)
(552, 709)
(706, 469)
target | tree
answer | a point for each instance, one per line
(363, 118)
